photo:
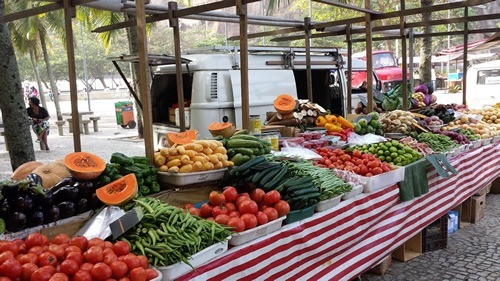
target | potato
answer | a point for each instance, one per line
(186, 168)
(160, 161)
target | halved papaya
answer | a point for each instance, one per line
(285, 104)
(182, 137)
(84, 165)
(119, 191)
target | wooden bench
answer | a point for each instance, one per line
(94, 120)
(83, 123)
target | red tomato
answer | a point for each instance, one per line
(210, 219)
(34, 239)
(368, 175)
(144, 261)
(230, 193)
(43, 273)
(11, 268)
(206, 210)
(230, 206)
(257, 195)
(9, 246)
(363, 170)
(87, 266)
(138, 274)
(261, 218)
(222, 219)
(237, 224)
(82, 275)
(151, 274)
(356, 169)
(59, 277)
(27, 271)
(47, 258)
(234, 214)
(218, 210)
(216, 198)
(71, 249)
(109, 258)
(80, 242)
(96, 242)
(76, 257)
(69, 267)
(328, 162)
(194, 211)
(248, 207)
(187, 206)
(93, 254)
(377, 171)
(282, 207)
(132, 261)
(250, 220)
(356, 153)
(121, 248)
(5, 256)
(272, 197)
(57, 250)
(124, 279)
(37, 250)
(101, 271)
(119, 269)
(240, 199)
(262, 207)
(28, 258)
(61, 239)
(271, 213)
(107, 244)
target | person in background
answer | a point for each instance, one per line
(40, 117)
(433, 77)
(33, 92)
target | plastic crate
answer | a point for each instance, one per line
(435, 235)
(298, 215)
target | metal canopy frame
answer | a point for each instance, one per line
(205, 12)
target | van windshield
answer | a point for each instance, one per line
(488, 77)
(384, 60)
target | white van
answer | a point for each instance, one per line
(212, 86)
(483, 84)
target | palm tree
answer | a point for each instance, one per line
(17, 131)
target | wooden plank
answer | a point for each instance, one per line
(307, 34)
(369, 58)
(69, 13)
(402, 30)
(466, 42)
(174, 23)
(347, 6)
(31, 12)
(210, 7)
(241, 10)
(142, 46)
(349, 68)
(270, 33)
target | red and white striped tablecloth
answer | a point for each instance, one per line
(343, 242)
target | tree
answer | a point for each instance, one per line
(17, 131)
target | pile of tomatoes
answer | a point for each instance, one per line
(360, 163)
(241, 211)
(64, 258)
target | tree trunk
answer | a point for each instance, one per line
(103, 82)
(134, 49)
(41, 94)
(426, 49)
(53, 86)
(16, 128)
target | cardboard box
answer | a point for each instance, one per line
(382, 267)
(478, 206)
(466, 211)
(410, 249)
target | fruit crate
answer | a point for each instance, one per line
(435, 235)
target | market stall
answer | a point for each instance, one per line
(345, 241)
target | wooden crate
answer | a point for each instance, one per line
(410, 249)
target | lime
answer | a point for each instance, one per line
(400, 152)
(380, 152)
(387, 153)
(394, 155)
(388, 144)
(395, 142)
(397, 160)
(364, 146)
(382, 146)
(388, 159)
(408, 149)
(382, 158)
(393, 149)
(372, 150)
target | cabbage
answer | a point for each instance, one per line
(421, 88)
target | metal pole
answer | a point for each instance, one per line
(466, 42)
(85, 68)
(369, 58)
(307, 23)
(349, 68)
(174, 23)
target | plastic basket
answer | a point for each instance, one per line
(251, 234)
(298, 215)
(435, 236)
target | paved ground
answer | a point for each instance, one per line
(472, 254)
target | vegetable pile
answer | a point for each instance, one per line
(363, 126)
(243, 147)
(167, 235)
(438, 143)
(420, 147)
(397, 121)
(64, 258)
(392, 152)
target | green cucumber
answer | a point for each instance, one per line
(251, 163)
(244, 137)
(281, 186)
(270, 175)
(299, 187)
(300, 181)
(303, 191)
(274, 182)
(240, 143)
(259, 176)
(244, 151)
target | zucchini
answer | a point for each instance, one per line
(240, 159)
(270, 175)
(240, 143)
(258, 176)
(302, 201)
(244, 137)
(281, 186)
(300, 181)
(251, 163)
(243, 150)
(274, 182)
(303, 191)
(299, 187)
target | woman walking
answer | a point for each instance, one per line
(40, 117)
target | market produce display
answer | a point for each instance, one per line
(65, 258)
(441, 111)
(422, 97)
(420, 147)
(196, 156)
(438, 143)
(469, 133)
(291, 112)
(121, 165)
(167, 235)
(483, 129)
(241, 211)
(333, 123)
(392, 152)
(397, 121)
(243, 147)
(363, 126)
